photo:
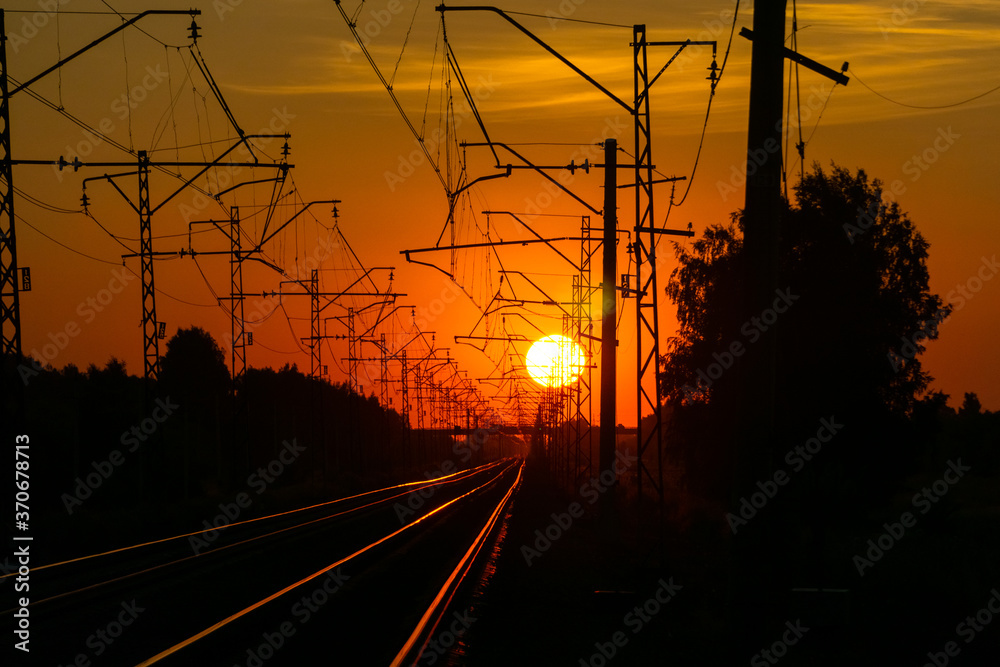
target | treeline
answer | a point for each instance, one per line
(107, 444)
(863, 465)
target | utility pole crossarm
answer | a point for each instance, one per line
(670, 232)
(795, 56)
(536, 235)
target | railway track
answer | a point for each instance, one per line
(279, 588)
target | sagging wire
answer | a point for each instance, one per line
(919, 106)
(406, 39)
(816, 126)
(60, 243)
(793, 71)
(41, 204)
(128, 92)
(352, 25)
(708, 110)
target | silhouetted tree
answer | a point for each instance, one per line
(854, 287)
(193, 375)
(114, 369)
(935, 404)
(193, 370)
(970, 406)
(852, 312)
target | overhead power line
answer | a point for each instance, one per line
(920, 106)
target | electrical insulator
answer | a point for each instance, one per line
(85, 202)
(194, 31)
(285, 150)
(713, 75)
(336, 213)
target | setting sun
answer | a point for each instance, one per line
(554, 361)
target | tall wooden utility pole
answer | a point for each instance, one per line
(754, 580)
(763, 206)
(756, 573)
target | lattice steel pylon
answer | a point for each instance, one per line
(404, 390)
(315, 347)
(352, 352)
(383, 373)
(150, 339)
(419, 388)
(237, 331)
(10, 308)
(646, 295)
(583, 329)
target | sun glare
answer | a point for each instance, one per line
(554, 361)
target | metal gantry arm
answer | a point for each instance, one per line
(363, 276)
(540, 169)
(125, 24)
(217, 162)
(537, 236)
(549, 301)
(496, 10)
(284, 166)
(292, 219)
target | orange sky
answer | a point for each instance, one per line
(291, 66)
